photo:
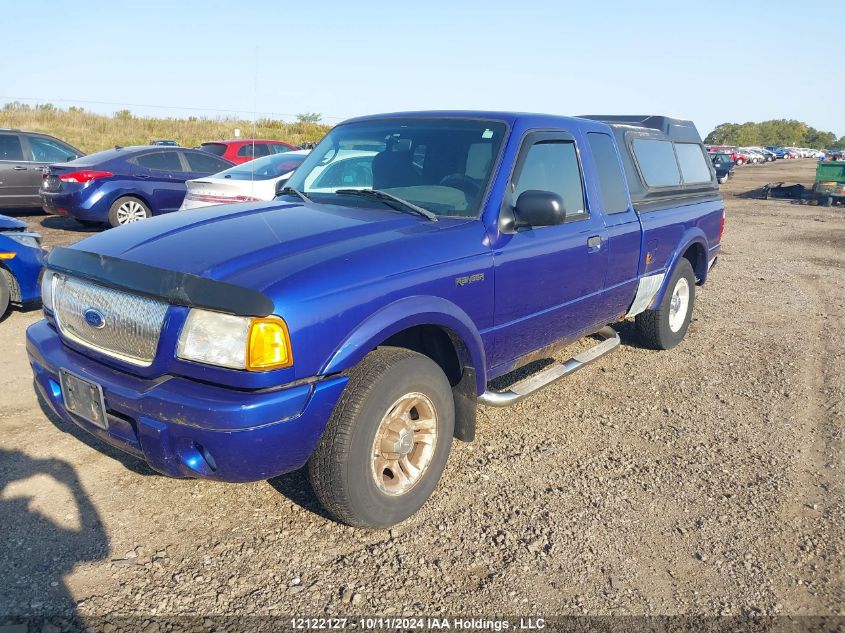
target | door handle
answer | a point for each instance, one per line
(19, 168)
(594, 243)
(144, 176)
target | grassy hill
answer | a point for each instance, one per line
(94, 132)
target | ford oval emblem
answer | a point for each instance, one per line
(95, 318)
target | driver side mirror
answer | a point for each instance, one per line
(539, 208)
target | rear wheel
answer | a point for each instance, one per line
(826, 201)
(665, 326)
(723, 180)
(386, 444)
(127, 210)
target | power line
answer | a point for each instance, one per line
(164, 107)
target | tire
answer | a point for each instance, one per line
(723, 180)
(127, 210)
(5, 293)
(664, 327)
(351, 474)
(826, 201)
(740, 162)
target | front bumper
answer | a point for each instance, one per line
(184, 428)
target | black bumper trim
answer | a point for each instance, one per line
(177, 288)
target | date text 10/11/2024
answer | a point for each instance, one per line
(419, 623)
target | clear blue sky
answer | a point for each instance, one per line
(710, 61)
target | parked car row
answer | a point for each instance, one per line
(126, 184)
(770, 153)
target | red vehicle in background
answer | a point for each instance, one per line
(240, 150)
(736, 156)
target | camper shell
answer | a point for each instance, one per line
(645, 196)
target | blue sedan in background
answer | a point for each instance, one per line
(125, 184)
(20, 264)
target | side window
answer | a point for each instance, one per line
(694, 167)
(260, 149)
(657, 163)
(278, 148)
(205, 163)
(553, 166)
(45, 150)
(10, 147)
(160, 161)
(610, 175)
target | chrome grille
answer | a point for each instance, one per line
(113, 322)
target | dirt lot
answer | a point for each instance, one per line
(707, 479)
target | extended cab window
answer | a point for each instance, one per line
(160, 161)
(657, 163)
(613, 193)
(694, 167)
(553, 166)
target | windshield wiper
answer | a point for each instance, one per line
(295, 192)
(389, 199)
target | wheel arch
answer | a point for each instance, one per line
(132, 193)
(436, 328)
(693, 248)
(406, 323)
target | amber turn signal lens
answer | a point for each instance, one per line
(268, 345)
(7, 255)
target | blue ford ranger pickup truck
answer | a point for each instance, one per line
(353, 323)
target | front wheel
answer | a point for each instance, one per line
(386, 444)
(665, 326)
(5, 292)
(127, 210)
(723, 180)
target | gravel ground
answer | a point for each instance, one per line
(703, 480)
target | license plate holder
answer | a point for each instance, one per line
(84, 398)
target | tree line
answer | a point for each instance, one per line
(780, 132)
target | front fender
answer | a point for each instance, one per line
(693, 235)
(401, 315)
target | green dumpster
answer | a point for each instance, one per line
(830, 183)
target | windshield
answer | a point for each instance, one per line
(265, 168)
(442, 165)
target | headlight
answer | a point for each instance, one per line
(225, 340)
(47, 289)
(33, 240)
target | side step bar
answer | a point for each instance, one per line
(542, 379)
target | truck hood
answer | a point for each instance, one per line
(263, 247)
